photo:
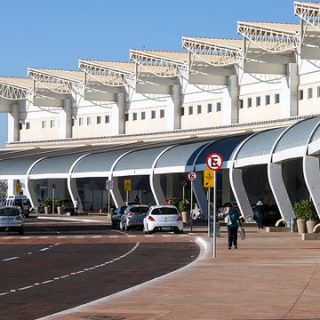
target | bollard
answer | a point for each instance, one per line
(293, 224)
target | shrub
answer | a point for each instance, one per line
(304, 209)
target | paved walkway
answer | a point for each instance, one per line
(270, 276)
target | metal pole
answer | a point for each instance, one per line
(208, 197)
(108, 201)
(183, 192)
(127, 196)
(191, 205)
(214, 216)
(52, 200)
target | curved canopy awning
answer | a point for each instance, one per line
(96, 164)
(138, 162)
(15, 168)
(180, 158)
(225, 147)
(294, 141)
(257, 149)
(54, 167)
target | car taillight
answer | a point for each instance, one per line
(130, 214)
(151, 218)
(179, 218)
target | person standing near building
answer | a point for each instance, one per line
(259, 213)
(232, 219)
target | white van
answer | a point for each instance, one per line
(21, 201)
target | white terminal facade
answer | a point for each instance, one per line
(255, 99)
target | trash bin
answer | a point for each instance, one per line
(217, 229)
(293, 224)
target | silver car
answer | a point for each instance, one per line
(133, 217)
(11, 219)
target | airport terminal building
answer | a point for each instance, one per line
(254, 99)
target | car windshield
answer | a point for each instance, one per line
(164, 211)
(139, 209)
(9, 212)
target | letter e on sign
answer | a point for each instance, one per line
(214, 161)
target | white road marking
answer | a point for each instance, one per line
(9, 259)
(44, 249)
(25, 288)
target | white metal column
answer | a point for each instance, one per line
(13, 123)
(279, 190)
(118, 114)
(289, 91)
(230, 101)
(311, 173)
(173, 110)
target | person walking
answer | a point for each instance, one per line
(232, 219)
(259, 213)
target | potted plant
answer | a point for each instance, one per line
(304, 211)
(312, 218)
(47, 205)
(58, 204)
(184, 208)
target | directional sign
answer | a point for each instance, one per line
(214, 161)
(127, 185)
(109, 184)
(192, 176)
(208, 178)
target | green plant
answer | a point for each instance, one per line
(304, 209)
(184, 206)
(175, 202)
(58, 202)
(47, 202)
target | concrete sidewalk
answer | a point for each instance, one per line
(270, 276)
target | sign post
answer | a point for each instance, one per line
(191, 176)
(184, 184)
(53, 189)
(208, 182)
(127, 188)
(109, 186)
(214, 162)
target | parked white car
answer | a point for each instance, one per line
(11, 219)
(163, 218)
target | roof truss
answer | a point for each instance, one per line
(106, 76)
(157, 65)
(308, 12)
(211, 54)
(270, 39)
(51, 82)
(11, 92)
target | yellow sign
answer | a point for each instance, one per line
(18, 187)
(127, 185)
(208, 178)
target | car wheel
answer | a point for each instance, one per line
(178, 231)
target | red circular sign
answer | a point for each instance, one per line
(214, 161)
(192, 176)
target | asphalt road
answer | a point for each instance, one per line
(39, 277)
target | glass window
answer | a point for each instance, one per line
(161, 113)
(218, 106)
(310, 93)
(143, 115)
(182, 111)
(153, 114)
(20, 125)
(241, 104)
(27, 125)
(258, 101)
(267, 98)
(209, 107)
(190, 110)
(43, 124)
(80, 121)
(88, 121)
(199, 108)
(106, 119)
(277, 98)
(318, 92)
(126, 117)
(72, 121)
(249, 102)
(52, 123)
(134, 116)
(98, 119)
(300, 94)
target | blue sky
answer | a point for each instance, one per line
(56, 33)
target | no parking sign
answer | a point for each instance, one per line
(214, 161)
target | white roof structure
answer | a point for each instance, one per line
(14, 88)
(309, 12)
